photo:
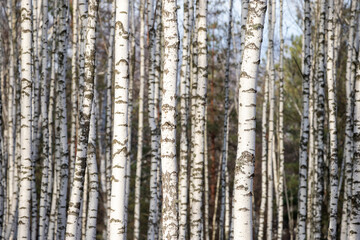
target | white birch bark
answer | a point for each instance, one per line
(242, 202)
(222, 233)
(184, 109)
(320, 122)
(305, 125)
(74, 92)
(346, 209)
(26, 165)
(84, 116)
(199, 128)
(93, 178)
(281, 130)
(330, 76)
(168, 122)
(117, 221)
(354, 224)
(44, 200)
(140, 123)
(271, 144)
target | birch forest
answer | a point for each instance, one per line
(180, 119)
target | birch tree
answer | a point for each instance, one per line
(26, 164)
(168, 122)
(330, 76)
(242, 202)
(84, 120)
(304, 124)
(119, 148)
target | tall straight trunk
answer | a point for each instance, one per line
(244, 169)
(44, 156)
(206, 231)
(304, 125)
(93, 177)
(320, 112)
(117, 216)
(225, 131)
(26, 164)
(62, 116)
(271, 139)
(354, 225)
(184, 109)
(140, 139)
(132, 53)
(330, 76)
(168, 122)
(74, 92)
(349, 122)
(152, 223)
(199, 128)
(108, 124)
(281, 130)
(84, 117)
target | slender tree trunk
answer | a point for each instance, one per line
(199, 128)
(84, 116)
(117, 216)
(184, 109)
(305, 125)
(168, 122)
(281, 129)
(226, 126)
(26, 164)
(320, 123)
(93, 177)
(346, 209)
(140, 123)
(271, 140)
(330, 76)
(242, 202)
(354, 225)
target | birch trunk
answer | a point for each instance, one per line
(168, 122)
(84, 116)
(93, 177)
(117, 217)
(271, 143)
(44, 200)
(242, 202)
(226, 131)
(305, 125)
(346, 209)
(199, 128)
(281, 130)
(26, 164)
(354, 225)
(330, 76)
(140, 123)
(320, 122)
(184, 109)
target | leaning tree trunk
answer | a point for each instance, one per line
(26, 165)
(168, 122)
(84, 120)
(244, 170)
(304, 125)
(330, 75)
(117, 216)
